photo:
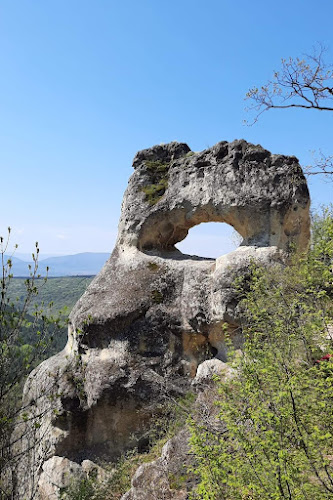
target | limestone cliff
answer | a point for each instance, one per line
(153, 314)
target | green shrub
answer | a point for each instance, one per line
(276, 438)
(27, 329)
(81, 490)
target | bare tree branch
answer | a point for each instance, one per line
(305, 83)
(301, 83)
(323, 165)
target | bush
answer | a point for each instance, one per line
(24, 338)
(276, 440)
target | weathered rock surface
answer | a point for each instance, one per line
(167, 477)
(153, 314)
(58, 473)
(211, 368)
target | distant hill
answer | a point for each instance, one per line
(81, 264)
(61, 292)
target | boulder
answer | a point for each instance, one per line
(211, 368)
(58, 473)
(166, 478)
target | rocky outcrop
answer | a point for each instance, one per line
(211, 369)
(153, 314)
(166, 478)
(60, 475)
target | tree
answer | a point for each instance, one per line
(305, 83)
(26, 332)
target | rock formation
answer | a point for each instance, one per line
(153, 314)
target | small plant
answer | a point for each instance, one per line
(79, 490)
(152, 266)
(157, 166)
(154, 192)
(177, 481)
(157, 296)
(158, 177)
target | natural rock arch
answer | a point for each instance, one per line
(237, 183)
(153, 314)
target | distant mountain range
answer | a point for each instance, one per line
(81, 264)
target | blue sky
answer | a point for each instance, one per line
(85, 84)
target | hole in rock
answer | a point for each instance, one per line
(210, 239)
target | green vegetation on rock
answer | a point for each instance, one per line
(172, 417)
(158, 177)
(157, 296)
(154, 192)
